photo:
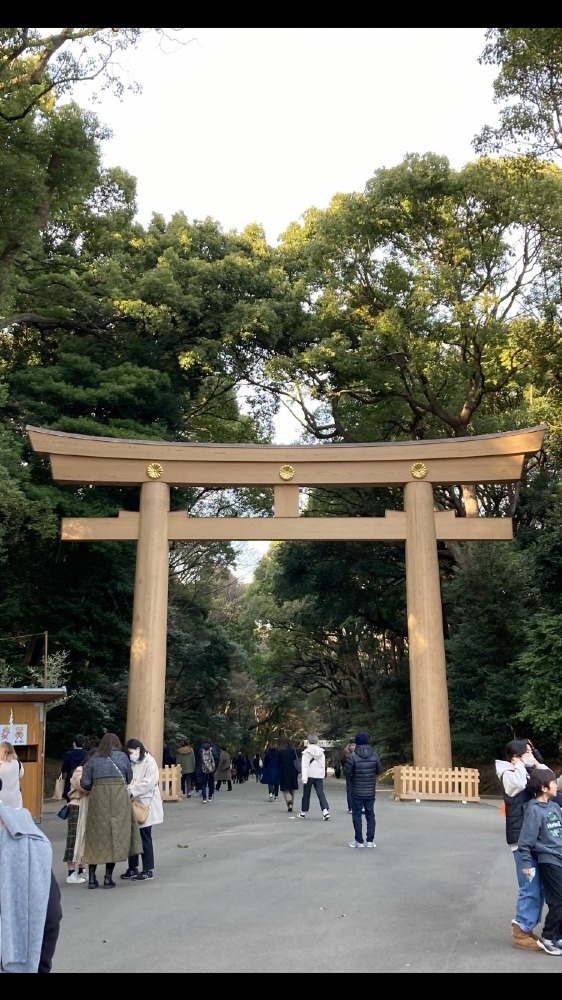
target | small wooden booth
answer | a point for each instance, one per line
(23, 716)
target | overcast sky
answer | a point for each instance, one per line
(258, 124)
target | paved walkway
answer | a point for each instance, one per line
(243, 886)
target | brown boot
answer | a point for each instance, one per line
(521, 939)
(516, 930)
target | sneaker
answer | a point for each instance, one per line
(289, 808)
(271, 796)
(301, 815)
(203, 801)
(371, 844)
(75, 878)
(142, 876)
(550, 947)
(355, 843)
(130, 873)
(325, 814)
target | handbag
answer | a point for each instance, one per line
(297, 763)
(63, 813)
(59, 785)
(140, 810)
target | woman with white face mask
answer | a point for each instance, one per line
(145, 789)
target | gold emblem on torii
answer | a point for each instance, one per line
(286, 472)
(154, 470)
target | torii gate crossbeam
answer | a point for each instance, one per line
(416, 466)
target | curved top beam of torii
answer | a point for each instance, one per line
(486, 458)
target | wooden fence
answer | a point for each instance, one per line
(455, 784)
(170, 783)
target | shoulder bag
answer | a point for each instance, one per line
(297, 763)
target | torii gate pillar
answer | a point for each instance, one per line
(147, 668)
(428, 675)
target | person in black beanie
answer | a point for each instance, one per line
(362, 767)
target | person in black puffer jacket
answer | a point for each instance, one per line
(362, 767)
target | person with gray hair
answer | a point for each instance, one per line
(313, 772)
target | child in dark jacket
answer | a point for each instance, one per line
(540, 842)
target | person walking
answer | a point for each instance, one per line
(313, 772)
(514, 774)
(206, 761)
(270, 772)
(112, 832)
(362, 766)
(288, 775)
(223, 772)
(257, 764)
(11, 773)
(185, 756)
(144, 788)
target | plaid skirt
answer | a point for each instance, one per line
(71, 833)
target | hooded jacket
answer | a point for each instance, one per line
(362, 767)
(514, 779)
(313, 762)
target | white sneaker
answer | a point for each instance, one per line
(271, 796)
(355, 843)
(325, 814)
(301, 815)
(371, 844)
(75, 878)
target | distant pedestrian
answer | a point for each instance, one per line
(223, 773)
(362, 766)
(257, 765)
(185, 756)
(206, 760)
(288, 776)
(313, 771)
(270, 773)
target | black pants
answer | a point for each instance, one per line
(147, 851)
(53, 918)
(224, 781)
(551, 878)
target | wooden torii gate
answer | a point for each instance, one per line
(416, 466)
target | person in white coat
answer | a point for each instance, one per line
(313, 772)
(144, 788)
(11, 773)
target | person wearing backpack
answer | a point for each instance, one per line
(206, 760)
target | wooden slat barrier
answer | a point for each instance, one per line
(456, 784)
(170, 783)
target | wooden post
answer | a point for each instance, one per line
(147, 671)
(428, 675)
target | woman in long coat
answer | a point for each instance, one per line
(144, 788)
(288, 775)
(112, 832)
(270, 775)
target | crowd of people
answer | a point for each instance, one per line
(113, 793)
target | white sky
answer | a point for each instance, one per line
(259, 124)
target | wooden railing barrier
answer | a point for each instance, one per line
(170, 783)
(455, 784)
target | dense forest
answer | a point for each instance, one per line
(427, 306)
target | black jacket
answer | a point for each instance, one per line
(362, 767)
(71, 760)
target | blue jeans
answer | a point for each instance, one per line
(530, 899)
(357, 806)
(207, 781)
